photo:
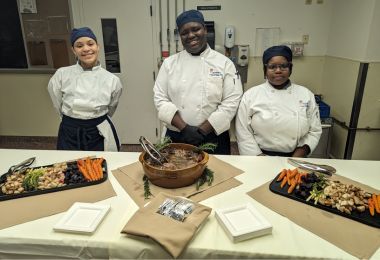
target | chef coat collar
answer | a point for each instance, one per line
(96, 67)
(203, 53)
(284, 88)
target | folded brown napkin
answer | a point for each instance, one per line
(172, 234)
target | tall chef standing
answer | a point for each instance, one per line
(278, 117)
(85, 96)
(197, 91)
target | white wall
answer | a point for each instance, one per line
(292, 16)
(373, 50)
(350, 29)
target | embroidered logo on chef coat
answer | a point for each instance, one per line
(215, 74)
(304, 104)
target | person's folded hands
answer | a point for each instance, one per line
(191, 135)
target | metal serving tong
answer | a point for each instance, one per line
(152, 151)
(21, 165)
(326, 169)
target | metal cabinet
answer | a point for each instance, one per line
(323, 148)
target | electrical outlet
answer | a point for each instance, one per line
(308, 2)
(305, 39)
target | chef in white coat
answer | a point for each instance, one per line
(197, 91)
(278, 117)
(85, 96)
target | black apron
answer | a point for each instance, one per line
(271, 153)
(79, 134)
(222, 141)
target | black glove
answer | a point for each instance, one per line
(191, 135)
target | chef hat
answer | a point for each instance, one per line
(190, 16)
(281, 50)
(77, 33)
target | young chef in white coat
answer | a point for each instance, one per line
(85, 96)
(278, 117)
(197, 91)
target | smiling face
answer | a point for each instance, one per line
(193, 37)
(278, 75)
(87, 50)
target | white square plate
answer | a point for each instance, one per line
(82, 218)
(243, 222)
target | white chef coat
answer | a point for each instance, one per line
(87, 94)
(84, 94)
(277, 120)
(204, 87)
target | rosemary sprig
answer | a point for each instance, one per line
(207, 176)
(206, 147)
(164, 142)
(147, 192)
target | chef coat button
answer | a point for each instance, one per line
(183, 107)
(272, 90)
(294, 114)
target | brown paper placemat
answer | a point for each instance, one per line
(353, 237)
(172, 234)
(130, 178)
(18, 211)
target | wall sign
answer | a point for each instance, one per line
(209, 7)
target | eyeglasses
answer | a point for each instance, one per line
(283, 66)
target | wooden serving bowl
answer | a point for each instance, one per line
(174, 178)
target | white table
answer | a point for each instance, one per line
(37, 238)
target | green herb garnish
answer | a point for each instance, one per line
(207, 176)
(147, 192)
(164, 142)
(206, 147)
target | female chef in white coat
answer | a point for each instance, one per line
(197, 90)
(278, 117)
(85, 95)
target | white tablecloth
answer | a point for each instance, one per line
(36, 239)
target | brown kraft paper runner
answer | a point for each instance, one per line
(130, 178)
(171, 234)
(18, 211)
(357, 239)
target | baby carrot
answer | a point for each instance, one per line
(89, 169)
(376, 203)
(95, 169)
(283, 181)
(371, 207)
(282, 175)
(293, 173)
(84, 172)
(288, 173)
(291, 188)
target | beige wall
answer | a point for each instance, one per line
(307, 71)
(367, 144)
(25, 106)
(338, 89)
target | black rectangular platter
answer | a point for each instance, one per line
(3, 178)
(363, 217)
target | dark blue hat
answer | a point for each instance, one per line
(281, 50)
(76, 33)
(190, 16)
